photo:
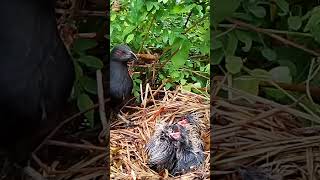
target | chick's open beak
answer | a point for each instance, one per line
(175, 135)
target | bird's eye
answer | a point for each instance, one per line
(120, 53)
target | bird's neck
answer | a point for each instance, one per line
(118, 66)
(119, 62)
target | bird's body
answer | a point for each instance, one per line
(36, 74)
(120, 81)
(161, 148)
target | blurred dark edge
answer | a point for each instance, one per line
(211, 91)
(106, 69)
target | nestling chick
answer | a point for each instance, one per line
(189, 149)
(161, 148)
(176, 147)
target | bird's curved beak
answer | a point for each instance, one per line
(133, 57)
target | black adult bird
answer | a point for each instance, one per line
(36, 74)
(120, 81)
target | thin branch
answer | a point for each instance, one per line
(102, 111)
(185, 24)
(75, 145)
(52, 133)
(274, 31)
(277, 37)
(195, 24)
(82, 12)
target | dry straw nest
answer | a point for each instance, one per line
(128, 158)
(255, 138)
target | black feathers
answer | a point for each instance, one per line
(36, 73)
(120, 81)
(176, 147)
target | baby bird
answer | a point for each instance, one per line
(176, 147)
(190, 149)
(162, 147)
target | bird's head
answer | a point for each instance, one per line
(176, 132)
(188, 119)
(122, 53)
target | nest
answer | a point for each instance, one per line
(254, 138)
(128, 158)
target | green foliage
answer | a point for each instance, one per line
(238, 49)
(85, 85)
(178, 29)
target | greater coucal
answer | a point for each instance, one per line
(121, 83)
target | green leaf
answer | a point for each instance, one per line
(315, 31)
(183, 81)
(113, 17)
(232, 43)
(275, 94)
(78, 70)
(168, 86)
(269, 54)
(258, 11)
(313, 20)
(291, 66)
(245, 38)
(89, 84)
(294, 22)
(281, 74)
(127, 31)
(224, 9)
(261, 74)
(111, 30)
(149, 5)
(91, 61)
(136, 94)
(234, 64)
(217, 56)
(175, 74)
(216, 44)
(204, 48)
(84, 44)
(179, 9)
(129, 38)
(165, 38)
(171, 38)
(187, 87)
(84, 103)
(283, 5)
(182, 55)
(247, 84)
(196, 85)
